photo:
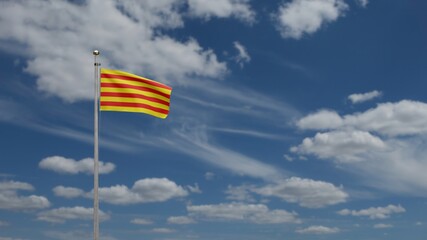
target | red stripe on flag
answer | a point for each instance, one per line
(133, 95)
(147, 81)
(134, 105)
(123, 86)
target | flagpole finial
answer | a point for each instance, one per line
(96, 52)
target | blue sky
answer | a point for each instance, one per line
(296, 119)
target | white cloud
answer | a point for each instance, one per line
(240, 193)
(300, 17)
(363, 97)
(343, 146)
(180, 220)
(194, 142)
(255, 213)
(142, 191)
(403, 118)
(363, 3)
(11, 200)
(194, 189)
(318, 230)
(162, 230)
(70, 166)
(61, 215)
(384, 145)
(243, 55)
(323, 119)
(306, 192)
(67, 192)
(382, 225)
(374, 212)
(141, 221)
(207, 9)
(14, 186)
(55, 36)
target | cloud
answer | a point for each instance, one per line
(318, 230)
(383, 145)
(67, 192)
(70, 166)
(207, 9)
(141, 221)
(363, 97)
(254, 213)
(242, 56)
(61, 215)
(194, 142)
(321, 120)
(240, 193)
(343, 146)
(180, 220)
(55, 34)
(302, 17)
(363, 3)
(143, 191)
(382, 226)
(162, 230)
(306, 192)
(403, 118)
(374, 212)
(11, 200)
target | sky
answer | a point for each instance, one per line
(293, 119)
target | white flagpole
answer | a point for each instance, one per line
(96, 154)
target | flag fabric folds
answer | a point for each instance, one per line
(126, 92)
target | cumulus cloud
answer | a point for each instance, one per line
(55, 34)
(318, 230)
(403, 118)
(180, 220)
(207, 9)
(343, 146)
(242, 55)
(255, 213)
(61, 215)
(70, 166)
(142, 191)
(321, 120)
(363, 97)
(240, 193)
(67, 192)
(306, 192)
(11, 200)
(384, 145)
(374, 212)
(300, 17)
(141, 221)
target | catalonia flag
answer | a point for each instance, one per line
(126, 92)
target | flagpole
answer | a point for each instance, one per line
(96, 151)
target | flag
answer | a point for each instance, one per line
(126, 92)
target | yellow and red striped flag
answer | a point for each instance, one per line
(126, 92)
